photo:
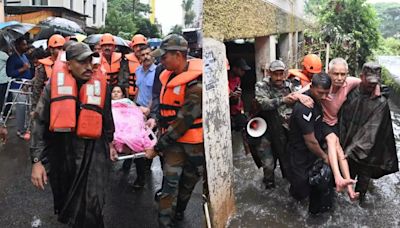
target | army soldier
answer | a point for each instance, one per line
(181, 142)
(275, 96)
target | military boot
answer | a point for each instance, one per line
(269, 178)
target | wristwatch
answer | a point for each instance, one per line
(35, 160)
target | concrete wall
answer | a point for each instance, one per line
(291, 6)
(217, 133)
(232, 19)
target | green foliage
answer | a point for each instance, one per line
(176, 29)
(388, 46)
(389, 17)
(350, 26)
(387, 79)
(147, 29)
(126, 18)
(189, 13)
(313, 7)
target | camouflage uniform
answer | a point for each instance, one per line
(183, 163)
(270, 99)
(38, 84)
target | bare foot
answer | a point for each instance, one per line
(343, 183)
(352, 195)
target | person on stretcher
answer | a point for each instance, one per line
(131, 134)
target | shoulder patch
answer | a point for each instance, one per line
(307, 117)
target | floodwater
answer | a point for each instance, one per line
(392, 63)
(257, 207)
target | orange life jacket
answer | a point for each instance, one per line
(296, 73)
(133, 64)
(48, 66)
(172, 97)
(64, 95)
(112, 70)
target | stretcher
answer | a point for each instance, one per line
(128, 154)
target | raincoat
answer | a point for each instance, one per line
(366, 134)
(78, 168)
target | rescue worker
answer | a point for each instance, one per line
(110, 62)
(305, 141)
(366, 131)
(74, 132)
(138, 41)
(45, 69)
(181, 141)
(311, 65)
(275, 96)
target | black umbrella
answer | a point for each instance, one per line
(12, 30)
(95, 38)
(58, 25)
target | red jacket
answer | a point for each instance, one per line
(234, 82)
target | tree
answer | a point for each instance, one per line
(389, 17)
(313, 7)
(126, 18)
(351, 27)
(189, 14)
(176, 29)
(147, 29)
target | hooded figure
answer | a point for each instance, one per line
(366, 131)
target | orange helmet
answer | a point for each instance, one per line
(107, 38)
(56, 40)
(138, 39)
(312, 63)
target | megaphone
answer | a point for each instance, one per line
(256, 127)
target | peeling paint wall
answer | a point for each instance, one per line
(232, 19)
(217, 133)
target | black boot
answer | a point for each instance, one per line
(179, 215)
(362, 187)
(139, 182)
(269, 180)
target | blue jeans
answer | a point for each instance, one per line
(20, 113)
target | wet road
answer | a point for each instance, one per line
(258, 207)
(125, 207)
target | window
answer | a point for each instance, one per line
(94, 13)
(39, 2)
(84, 7)
(102, 14)
(71, 4)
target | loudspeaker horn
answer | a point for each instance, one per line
(256, 127)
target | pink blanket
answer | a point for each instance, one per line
(130, 128)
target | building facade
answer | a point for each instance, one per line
(90, 14)
(272, 29)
